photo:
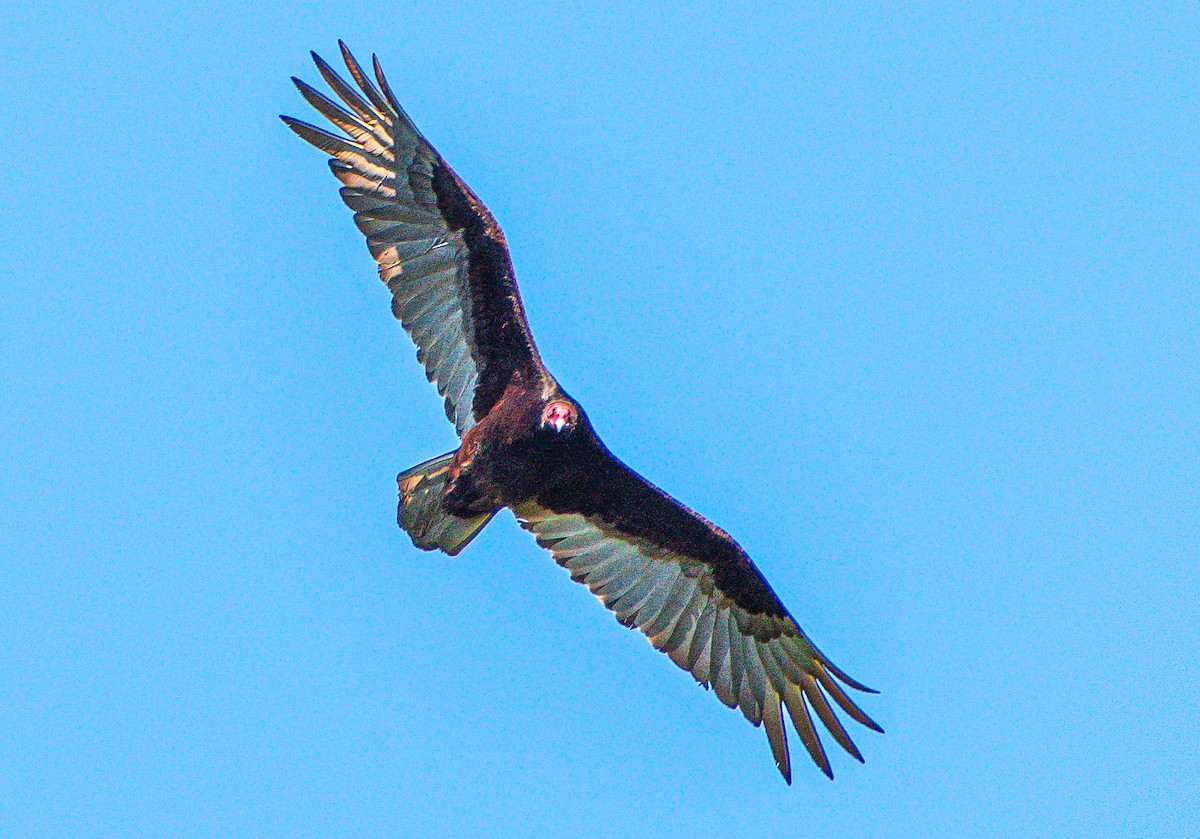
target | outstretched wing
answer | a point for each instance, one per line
(695, 594)
(439, 250)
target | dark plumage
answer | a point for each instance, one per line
(528, 446)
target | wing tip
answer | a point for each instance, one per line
(347, 56)
(304, 87)
(842, 677)
(386, 88)
(294, 124)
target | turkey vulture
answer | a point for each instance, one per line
(528, 446)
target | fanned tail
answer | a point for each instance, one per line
(421, 515)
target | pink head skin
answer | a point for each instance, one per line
(559, 415)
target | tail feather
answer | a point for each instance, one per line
(421, 515)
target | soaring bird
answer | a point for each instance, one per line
(527, 445)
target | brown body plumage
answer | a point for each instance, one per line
(526, 445)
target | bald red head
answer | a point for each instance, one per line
(559, 415)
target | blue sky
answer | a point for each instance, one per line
(904, 297)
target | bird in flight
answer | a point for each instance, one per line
(527, 445)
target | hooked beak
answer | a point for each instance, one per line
(558, 424)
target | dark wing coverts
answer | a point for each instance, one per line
(439, 250)
(696, 596)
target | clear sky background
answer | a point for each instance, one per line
(906, 298)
